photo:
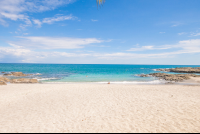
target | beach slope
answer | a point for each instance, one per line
(99, 108)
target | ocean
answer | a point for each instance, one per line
(96, 73)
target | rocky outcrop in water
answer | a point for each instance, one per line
(173, 77)
(24, 80)
(16, 74)
(6, 74)
(3, 80)
(182, 70)
(144, 75)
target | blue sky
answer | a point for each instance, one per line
(120, 32)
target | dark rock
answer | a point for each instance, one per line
(17, 74)
(169, 83)
(7, 74)
(182, 70)
(173, 77)
(144, 75)
(163, 70)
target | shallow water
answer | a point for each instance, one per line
(101, 73)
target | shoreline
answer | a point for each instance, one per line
(188, 78)
(191, 81)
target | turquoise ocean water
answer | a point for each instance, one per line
(101, 73)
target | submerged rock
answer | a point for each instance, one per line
(17, 74)
(7, 74)
(23, 80)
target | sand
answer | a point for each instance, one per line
(99, 108)
(195, 79)
(191, 81)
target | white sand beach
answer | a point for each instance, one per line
(99, 108)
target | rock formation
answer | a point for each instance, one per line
(173, 77)
(144, 75)
(2, 83)
(4, 79)
(6, 74)
(17, 74)
(182, 70)
(23, 80)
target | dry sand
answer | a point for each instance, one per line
(99, 108)
(191, 81)
(195, 79)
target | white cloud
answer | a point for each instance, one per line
(18, 6)
(143, 48)
(15, 9)
(55, 43)
(37, 22)
(184, 47)
(93, 20)
(52, 20)
(162, 32)
(27, 55)
(58, 18)
(182, 33)
(14, 46)
(16, 17)
(189, 46)
(3, 22)
(25, 33)
(195, 34)
(14, 51)
(175, 24)
(13, 16)
(24, 53)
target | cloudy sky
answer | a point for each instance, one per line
(119, 32)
